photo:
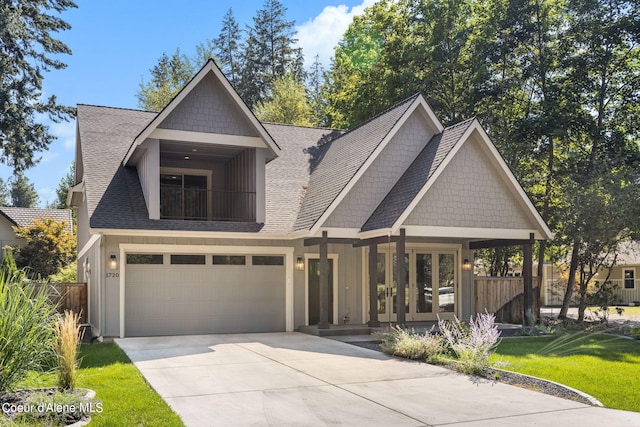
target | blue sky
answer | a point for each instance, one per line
(115, 42)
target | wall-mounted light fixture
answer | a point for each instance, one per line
(466, 264)
(113, 261)
(299, 263)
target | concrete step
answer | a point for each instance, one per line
(336, 330)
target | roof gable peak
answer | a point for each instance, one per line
(210, 68)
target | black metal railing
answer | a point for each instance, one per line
(206, 205)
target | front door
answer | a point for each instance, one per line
(313, 277)
(431, 284)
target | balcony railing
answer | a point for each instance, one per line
(207, 205)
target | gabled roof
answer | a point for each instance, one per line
(348, 156)
(209, 68)
(416, 176)
(23, 217)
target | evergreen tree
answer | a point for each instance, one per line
(227, 48)
(5, 195)
(168, 76)
(27, 50)
(23, 192)
(269, 52)
(314, 92)
(62, 191)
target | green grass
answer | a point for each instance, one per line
(603, 366)
(126, 397)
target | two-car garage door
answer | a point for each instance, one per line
(180, 294)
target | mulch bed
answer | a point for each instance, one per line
(511, 378)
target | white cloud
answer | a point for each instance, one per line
(318, 36)
(66, 133)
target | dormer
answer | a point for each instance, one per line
(203, 157)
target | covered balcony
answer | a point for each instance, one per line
(200, 182)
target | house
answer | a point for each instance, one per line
(624, 274)
(201, 219)
(23, 217)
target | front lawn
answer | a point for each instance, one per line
(603, 366)
(127, 399)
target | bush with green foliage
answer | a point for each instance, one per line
(471, 344)
(66, 274)
(411, 344)
(27, 329)
(635, 332)
(48, 246)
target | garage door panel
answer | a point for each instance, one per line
(196, 299)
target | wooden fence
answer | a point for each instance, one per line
(68, 296)
(504, 296)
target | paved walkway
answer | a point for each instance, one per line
(293, 379)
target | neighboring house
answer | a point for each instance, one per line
(625, 274)
(23, 217)
(201, 219)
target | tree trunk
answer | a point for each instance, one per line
(570, 282)
(583, 298)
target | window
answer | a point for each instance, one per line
(229, 260)
(188, 259)
(267, 260)
(145, 258)
(629, 279)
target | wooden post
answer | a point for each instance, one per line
(401, 315)
(323, 319)
(373, 286)
(527, 273)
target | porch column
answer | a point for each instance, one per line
(373, 286)
(401, 315)
(323, 319)
(527, 274)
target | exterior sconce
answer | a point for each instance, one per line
(466, 265)
(113, 261)
(299, 264)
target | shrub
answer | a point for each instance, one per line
(66, 346)
(472, 345)
(635, 332)
(410, 344)
(27, 327)
(66, 274)
(8, 267)
(59, 409)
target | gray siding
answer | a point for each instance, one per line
(381, 176)
(471, 192)
(209, 108)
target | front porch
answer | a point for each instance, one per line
(435, 281)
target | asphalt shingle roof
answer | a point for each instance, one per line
(416, 176)
(312, 169)
(342, 160)
(23, 217)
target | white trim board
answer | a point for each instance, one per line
(125, 248)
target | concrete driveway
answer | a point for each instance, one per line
(295, 379)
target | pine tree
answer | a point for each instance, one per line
(23, 192)
(227, 48)
(168, 76)
(27, 50)
(269, 52)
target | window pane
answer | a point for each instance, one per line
(267, 260)
(629, 279)
(187, 259)
(229, 260)
(145, 258)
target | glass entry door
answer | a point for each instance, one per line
(431, 284)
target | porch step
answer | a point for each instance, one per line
(336, 330)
